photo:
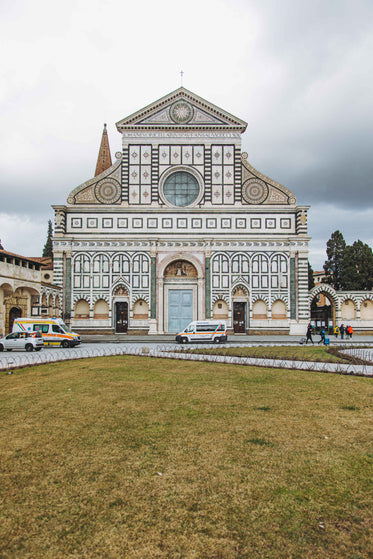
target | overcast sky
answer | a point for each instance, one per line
(299, 72)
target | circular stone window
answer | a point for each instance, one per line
(181, 189)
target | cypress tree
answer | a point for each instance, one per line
(335, 248)
(357, 267)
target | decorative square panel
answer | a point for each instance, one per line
(255, 223)
(107, 222)
(228, 194)
(270, 223)
(146, 155)
(137, 222)
(122, 223)
(182, 223)
(217, 174)
(167, 223)
(164, 155)
(187, 155)
(145, 194)
(146, 174)
(76, 222)
(226, 223)
(217, 194)
(92, 222)
(216, 154)
(134, 152)
(175, 155)
(152, 223)
(211, 223)
(198, 155)
(228, 155)
(285, 223)
(228, 174)
(241, 223)
(134, 197)
(134, 174)
(196, 223)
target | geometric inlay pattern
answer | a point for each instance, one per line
(255, 191)
(108, 191)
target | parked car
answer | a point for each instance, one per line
(22, 340)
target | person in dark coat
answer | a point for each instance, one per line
(342, 331)
(309, 334)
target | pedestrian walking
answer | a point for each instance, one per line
(336, 331)
(342, 331)
(309, 334)
(322, 337)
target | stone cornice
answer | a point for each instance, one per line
(234, 244)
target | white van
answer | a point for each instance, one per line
(203, 331)
(53, 330)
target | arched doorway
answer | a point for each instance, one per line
(181, 288)
(240, 299)
(323, 308)
(15, 312)
(121, 317)
(120, 300)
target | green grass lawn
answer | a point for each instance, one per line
(134, 457)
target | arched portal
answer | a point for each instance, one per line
(120, 308)
(180, 279)
(240, 299)
(323, 307)
(15, 312)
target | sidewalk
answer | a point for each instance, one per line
(235, 338)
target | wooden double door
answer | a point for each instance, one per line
(239, 317)
(121, 317)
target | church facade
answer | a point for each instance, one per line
(181, 227)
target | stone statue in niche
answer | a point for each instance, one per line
(180, 269)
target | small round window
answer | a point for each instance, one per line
(181, 189)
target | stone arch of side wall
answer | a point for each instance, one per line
(327, 290)
(261, 297)
(182, 256)
(140, 297)
(353, 298)
(7, 289)
(99, 296)
(221, 296)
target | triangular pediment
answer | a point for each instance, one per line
(182, 109)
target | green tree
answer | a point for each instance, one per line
(357, 267)
(311, 280)
(48, 247)
(335, 249)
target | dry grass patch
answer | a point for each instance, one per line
(139, 457)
